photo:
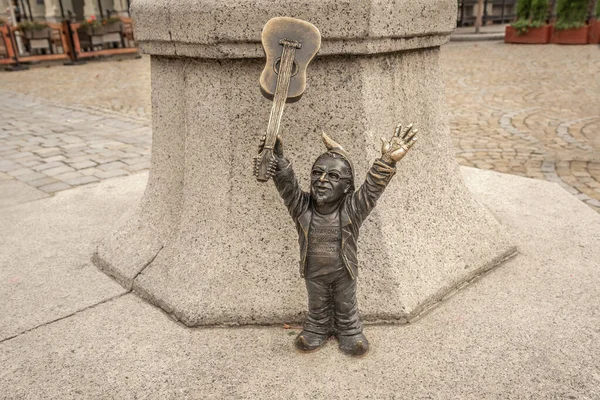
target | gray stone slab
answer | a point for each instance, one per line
(45, 273)
(529, 329)
(14, 192)
(209, 29)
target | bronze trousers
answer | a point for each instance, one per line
(332, 305)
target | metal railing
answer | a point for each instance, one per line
(66, 41)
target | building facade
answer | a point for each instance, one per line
(57, 10)
(494, 11)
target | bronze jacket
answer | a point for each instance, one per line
(354, 209)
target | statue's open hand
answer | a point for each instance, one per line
(393, 150)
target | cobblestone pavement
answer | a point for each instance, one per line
(54, 147)
(122, 86)
(532, 111)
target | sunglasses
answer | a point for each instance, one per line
(333, 176)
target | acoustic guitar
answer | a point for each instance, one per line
(290, 45)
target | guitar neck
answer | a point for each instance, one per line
(281, 91)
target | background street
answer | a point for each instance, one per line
(531, 111)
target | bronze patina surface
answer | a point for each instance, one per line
(328, 219)
(289, 44)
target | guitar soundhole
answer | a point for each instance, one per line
(278, 62)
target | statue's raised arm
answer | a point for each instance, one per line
(381, 172)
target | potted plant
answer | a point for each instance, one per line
(530, 26)
(112, 24)
(570, 27)
(34, 30)
(595, 25)
(91, 26)
(94, 27)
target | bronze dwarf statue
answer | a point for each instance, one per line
(328, 220)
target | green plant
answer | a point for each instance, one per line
(597, 13)
(539, 11)
(523, 8)
(531, 14)
(571, 14)
(32, 26)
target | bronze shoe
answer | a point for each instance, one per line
(310, 341)
(355, 345)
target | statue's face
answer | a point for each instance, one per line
(330, 179)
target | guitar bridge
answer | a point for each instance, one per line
(290, 43)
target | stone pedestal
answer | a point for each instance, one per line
(210, 245)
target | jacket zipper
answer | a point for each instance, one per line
(305, 250)
(346, 261)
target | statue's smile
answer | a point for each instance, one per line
(321, 188)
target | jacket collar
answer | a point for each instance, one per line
(306, 216)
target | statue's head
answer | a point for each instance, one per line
(332, 175)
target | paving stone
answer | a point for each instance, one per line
(31, 177)
(54, 187)
(593, 202)
(26, 160)
(135, 160)
(89, 171)
(31, 148)
(82, 180)
(83, 164)
(5, 177)
(7, 166)
(138, 167)
(42, 181)
(111, 165)
(76, 156)
(74, 146)
(59, 157)
(46, 166)
(20, 155)
(48, 152)
(110, 173)
(581, 174)
(20, 171)
(71, 139)
(51, 143)
(68, 175)
(103, 160)
(58, 170)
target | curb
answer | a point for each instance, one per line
(477, 37)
